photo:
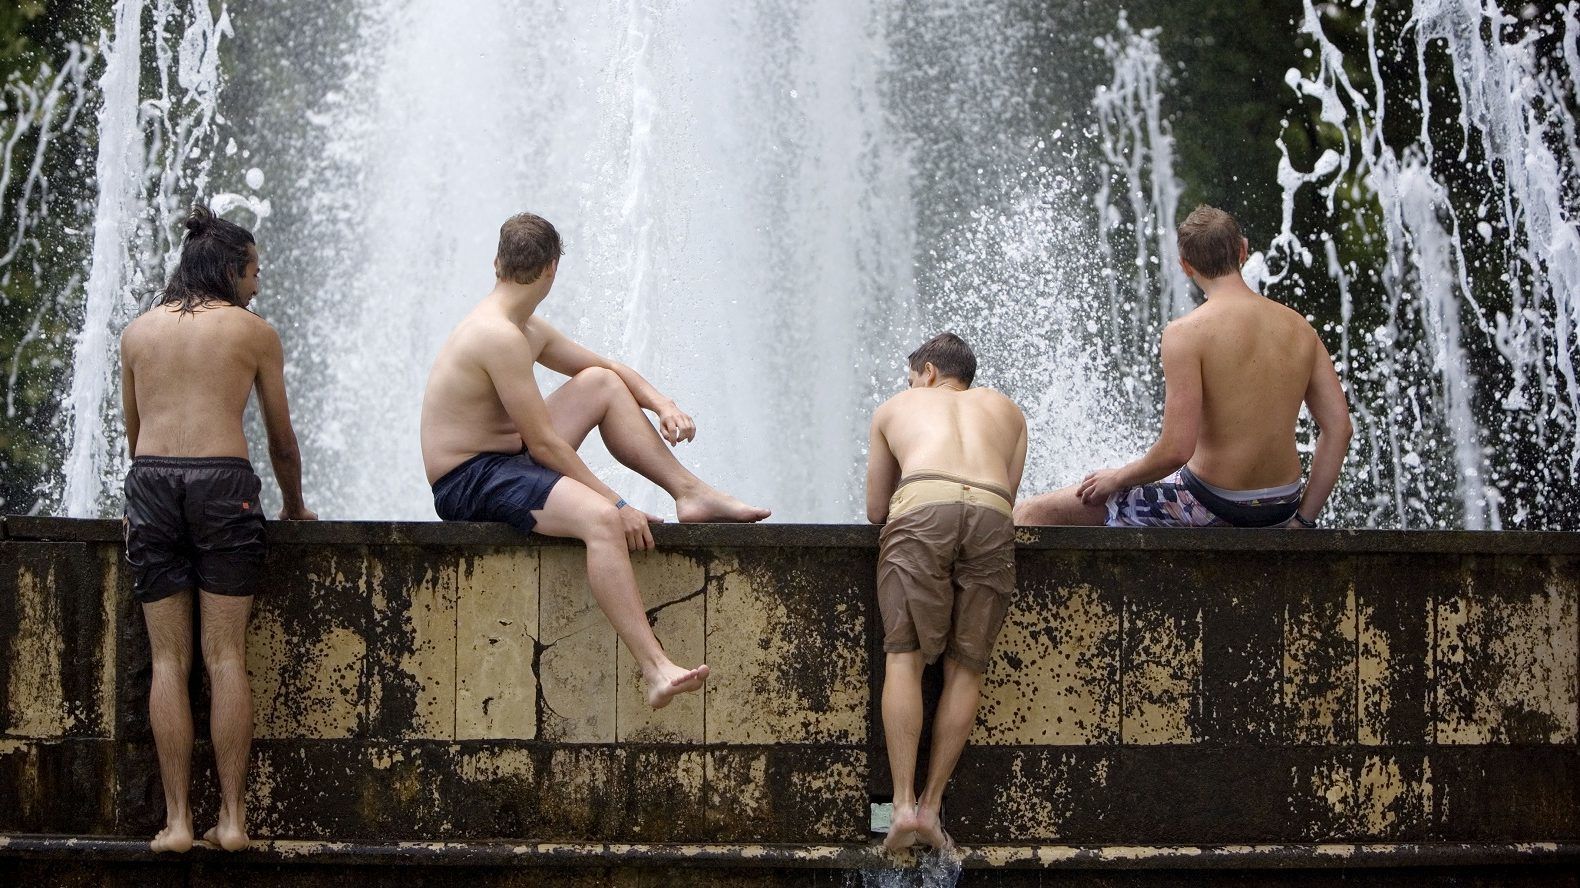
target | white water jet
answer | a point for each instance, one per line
(715, 240)
(118, 171)
(150, 154)
(1410, 378)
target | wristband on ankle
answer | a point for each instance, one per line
(1304, 521)
(622, 504)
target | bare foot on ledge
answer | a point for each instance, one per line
(711, 506)
(175, 837)
(902, 829)
(227, 836)
(930, 829)
(671, 681)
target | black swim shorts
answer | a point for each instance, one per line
(506, 487)
(193, 523)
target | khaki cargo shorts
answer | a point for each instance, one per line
(946, 568)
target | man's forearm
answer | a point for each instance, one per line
(1325, 465)
(287, 464)
(648, 397)
(1154, 465)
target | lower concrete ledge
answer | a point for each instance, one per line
(105, 850)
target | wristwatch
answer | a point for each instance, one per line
(1304, 521)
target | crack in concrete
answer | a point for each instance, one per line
(708, 577)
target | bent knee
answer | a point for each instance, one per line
(603, 523)
(602, 377)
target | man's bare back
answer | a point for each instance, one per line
(186, 378)
(1257, 358)
(977, 434)
(193, 373)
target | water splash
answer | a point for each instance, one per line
(716, 238)
(932, 869)
(1450, 324)
(743, 203)
(154, 156)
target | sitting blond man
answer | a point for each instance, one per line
(1236, 371)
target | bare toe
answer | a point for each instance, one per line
(172, 839)
(670, 685)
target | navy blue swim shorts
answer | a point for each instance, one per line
(504, 487)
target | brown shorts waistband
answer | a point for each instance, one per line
(929, 488)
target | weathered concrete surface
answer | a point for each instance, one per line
(426, 682)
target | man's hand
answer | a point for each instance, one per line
(302, 514)
(1096, 488)
(675, 425)
(638, 535)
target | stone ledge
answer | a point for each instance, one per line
(846, 536)
(787, 856)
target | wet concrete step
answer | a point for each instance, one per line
(849, 857)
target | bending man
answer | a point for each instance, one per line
(1236, 371)
(495, 449)
(942, 469)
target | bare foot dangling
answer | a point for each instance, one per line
(930, 829)
(176, 837)
(670, 681)
(902, 829)
(712, 506)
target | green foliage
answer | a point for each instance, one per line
(35, 322)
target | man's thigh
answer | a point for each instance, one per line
(576, 407)
(223, 622)
(572, 510)
(169, 622)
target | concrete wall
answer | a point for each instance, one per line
(424, 681)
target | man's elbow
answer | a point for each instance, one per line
(284, 449)
(1339, 430)
(877, 515)
(1177, 454)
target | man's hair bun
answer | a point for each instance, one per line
(199, 221)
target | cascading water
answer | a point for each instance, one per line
(1465, 389)
(151, 153)
(752, 198)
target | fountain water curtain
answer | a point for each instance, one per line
(741, 200)
(1459, 343)
(154, 154)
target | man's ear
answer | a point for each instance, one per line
(1245, 250)
(497, 275)
(929, 373)
(1189, 272)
